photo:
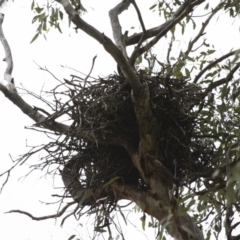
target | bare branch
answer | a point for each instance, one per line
(86, 78)
(222, 81)
(139, 15)
(135, 38)
(8, 54)
(182, 12)
(212, 64)
(58, 214)
(201, 32)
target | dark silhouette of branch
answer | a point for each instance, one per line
(204, 25)
(182, 12)
(222, 81)
(59, 214)
(135, 38)
(212, 64)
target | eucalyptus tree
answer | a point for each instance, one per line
(163, 133)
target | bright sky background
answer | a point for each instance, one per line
(76, 51)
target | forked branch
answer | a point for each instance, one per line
(162, 30)
(201, 32)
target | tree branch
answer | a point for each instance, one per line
(134, 39)
(220, 82)
(212, 64)
(201, 32)
(182, 12)
(154, 207)
(8, 54)
(58, 214)
(60, 128)
(116, 27)
(8, 58)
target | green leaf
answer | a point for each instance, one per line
(153, 6)
(210, 51)
(32, 5)
(120, 210)
(187, 72)
(61, 15)
(38, 9)
(35, 37)
(143, 219)
(72, 237)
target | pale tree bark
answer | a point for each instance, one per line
(116, 27)
(8, 58)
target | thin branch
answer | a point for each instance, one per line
(222, 81)
(1, 2)
(212, 64)
(134, 39)
(139, 16)
(201, 32)
(182, 12)
(59, 214)
(169, 51)
(85, 80)
(54, 126)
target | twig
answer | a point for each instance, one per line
(221, 81)
(212, 64)
(132, 60)
(85, 80)
(169, 51)
(59, 214)
(201, 32)
(139, 15)
(182, 12)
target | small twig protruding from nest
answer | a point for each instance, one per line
(59, 214)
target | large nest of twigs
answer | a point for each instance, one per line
(104, 105)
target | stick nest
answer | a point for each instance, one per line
(104, 107)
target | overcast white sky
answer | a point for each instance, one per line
(75, 51)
